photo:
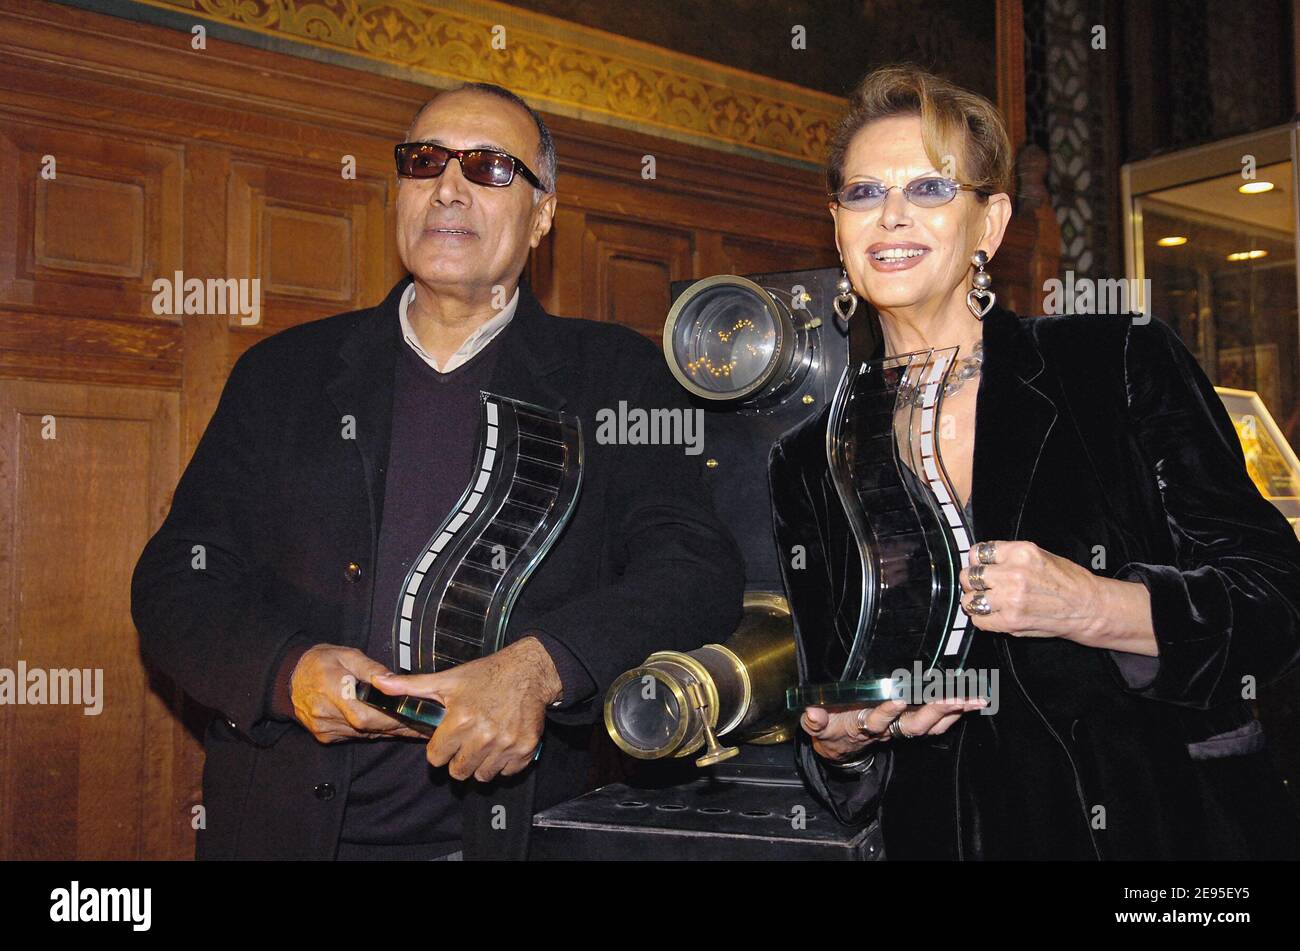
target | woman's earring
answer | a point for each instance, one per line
(847, 301)
(982, 281)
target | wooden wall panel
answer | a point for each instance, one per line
(314, 239)
(88, 473)
(753, 256)
(94, 219)
(90, 221)
(90, 225)
(627, 267)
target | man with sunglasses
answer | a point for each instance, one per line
(337, 450)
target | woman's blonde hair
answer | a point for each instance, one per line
(954, 121)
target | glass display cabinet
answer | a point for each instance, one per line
(1210, 237)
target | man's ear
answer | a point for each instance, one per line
(997, 216)
(543, 215)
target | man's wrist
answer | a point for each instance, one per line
(552, 685)
(280, 703)
(576, 683)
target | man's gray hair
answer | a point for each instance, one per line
(546, 148)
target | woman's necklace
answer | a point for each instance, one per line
(967, 368)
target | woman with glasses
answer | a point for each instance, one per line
(1131, 587)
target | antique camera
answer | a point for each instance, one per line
(761, 355)
(709, 730)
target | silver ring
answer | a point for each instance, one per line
(979, 605)
(986, 553)
(862, 725)
(896, 729)
(977, 578)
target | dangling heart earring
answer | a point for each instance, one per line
(847, 301)
(982, 281)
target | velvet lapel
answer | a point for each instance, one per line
(1013, 419)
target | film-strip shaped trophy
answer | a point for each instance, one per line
(872, 535)
(455, 604)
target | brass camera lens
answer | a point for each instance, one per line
(726, 338)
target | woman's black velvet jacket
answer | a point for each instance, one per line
(1103, 431)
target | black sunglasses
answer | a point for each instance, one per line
(481, 166)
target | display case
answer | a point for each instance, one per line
(1270, 460)
(1210, 236)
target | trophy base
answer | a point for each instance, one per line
(846, 693)
(853, 694)
(420, 714)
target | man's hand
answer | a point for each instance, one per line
(323, 689)
(496, 708)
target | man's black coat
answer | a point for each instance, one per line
(280, 501)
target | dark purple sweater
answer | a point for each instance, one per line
(397, 798)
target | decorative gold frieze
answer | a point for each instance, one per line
(558, 66)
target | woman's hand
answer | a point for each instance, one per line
(1025, 591)
(839, 735)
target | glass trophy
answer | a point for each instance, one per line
(872, 535)
(456, 601)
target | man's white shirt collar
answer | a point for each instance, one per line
(475, 342)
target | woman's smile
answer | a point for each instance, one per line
(896, 255)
